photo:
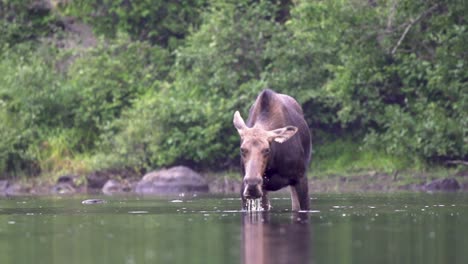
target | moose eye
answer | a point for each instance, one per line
(243, 151)
(266, 151)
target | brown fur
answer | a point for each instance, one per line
(275, 149)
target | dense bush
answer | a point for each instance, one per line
(27, 88)
(165, 23)
(162, 85)
(404, 82)
(218, 71)
(27, 22)
(107, 79)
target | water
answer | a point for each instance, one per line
(340, 228)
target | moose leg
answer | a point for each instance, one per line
(244, 201)
(265, 202)
(300, 195)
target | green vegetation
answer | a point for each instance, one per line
(345, 157)
(383, 84)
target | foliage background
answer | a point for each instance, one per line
(383, 84)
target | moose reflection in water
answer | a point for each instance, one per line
(266, 241)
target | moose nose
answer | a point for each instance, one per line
(252, 181)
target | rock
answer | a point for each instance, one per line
(174, 180)
(93, 201)
(412, 187)
(63, 188)
(225, 185)
(447, 184)
(97, 179)
(462, 173)
(3, 186)
(68, 179)
(113, 186)
(15, 189)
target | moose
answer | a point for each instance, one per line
(275, 149)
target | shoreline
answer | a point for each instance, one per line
(225, 183)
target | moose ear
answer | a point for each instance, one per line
(280, 135)
(239, 122)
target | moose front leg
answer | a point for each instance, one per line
(243, 200)
(265, 201)
(300, 195)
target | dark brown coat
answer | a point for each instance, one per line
(275, 149)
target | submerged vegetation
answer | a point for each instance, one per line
(144, 84)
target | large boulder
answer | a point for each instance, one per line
(174, 180)
(447, 184)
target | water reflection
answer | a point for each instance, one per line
(268, 240)
(342, 229)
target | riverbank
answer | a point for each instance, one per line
(123, 182)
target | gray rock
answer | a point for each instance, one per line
(65, 185)
(3, 186)
(15, 189)
(447, 184)
(69, 179)
(113, 186)
(93, 201)
(174, 180)
(63, 188)
(225, 185)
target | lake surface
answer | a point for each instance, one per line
(340, 228)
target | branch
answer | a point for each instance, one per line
(412, 22)
(457, 162)
(391, 16)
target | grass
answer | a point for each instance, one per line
(55, 156)
(346, 157)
